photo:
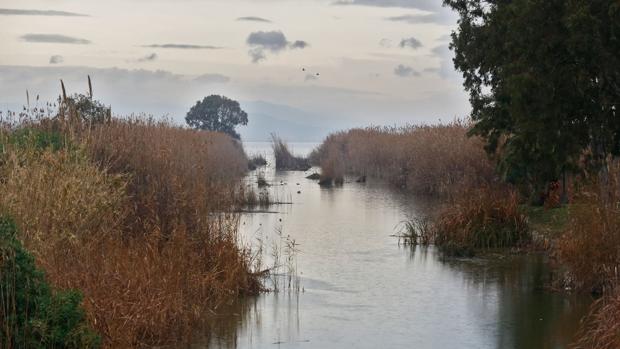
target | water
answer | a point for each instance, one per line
(358, 288)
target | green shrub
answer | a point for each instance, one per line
(32, 315)
(37, 138)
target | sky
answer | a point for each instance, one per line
(310, 65)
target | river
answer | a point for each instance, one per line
(355, 286)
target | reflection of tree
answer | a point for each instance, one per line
(528, 316)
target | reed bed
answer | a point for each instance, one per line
(423, 159)
(285, 160)
(482, 218)
(130, 213)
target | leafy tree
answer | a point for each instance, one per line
(544, 81)
(217, 113)
(89, 109)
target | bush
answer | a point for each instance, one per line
(31, 314)
(481, 219)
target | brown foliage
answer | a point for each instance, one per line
(131, 216)
(423, 159)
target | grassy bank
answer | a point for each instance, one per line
(129, 213)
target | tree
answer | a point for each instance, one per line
(544, 81)
(217, 113)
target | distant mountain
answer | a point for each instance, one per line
(293, 125)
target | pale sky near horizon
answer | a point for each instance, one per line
(379, 61)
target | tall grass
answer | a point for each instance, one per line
(130, 212)
(423, 159)
(481, 218)
(285, 160)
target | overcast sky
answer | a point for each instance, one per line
(353, 62)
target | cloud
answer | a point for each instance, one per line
(148, 58)
(20, 12)
(428, 5)
(275, 42)
(405, 71)
(212, 79)
(184, 46)
(254, 19)
(54, 38)
(418, 18)
(385, 42)
(56, 59)
(446, 66)
(299, 44)
(410, 42)
(310, 77)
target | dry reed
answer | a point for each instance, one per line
(423, 159)
(131, 217)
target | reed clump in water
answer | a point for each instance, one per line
(482, 218)
(422, 159)
(600, 327)
(128, 214)
(285, 160)
(256, 161)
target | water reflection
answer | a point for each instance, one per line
(360, 289)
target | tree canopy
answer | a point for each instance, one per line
(217, 113)
(544, 81)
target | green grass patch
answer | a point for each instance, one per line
(549, 222)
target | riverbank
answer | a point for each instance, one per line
(128, 214)
(482, 211)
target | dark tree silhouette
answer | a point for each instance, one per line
(217, 113)
(544, 80)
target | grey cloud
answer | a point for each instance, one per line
(405, 71)
(148, 58)
(418, 18)
(254, 19)
(271, 41)
(54, 38)
(212, 79)
(257, 55)
(20, 12)
(446, 66)
(299, 44)
(56, 59)
(310, 77)
(410, 42)
(385, 42)
(428, 5)
(184, 46)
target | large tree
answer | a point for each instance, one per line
(217, 113)
(544, 81)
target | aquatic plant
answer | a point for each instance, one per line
(417, 231)
(481, 218)
(436, 159)
(285, 160)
